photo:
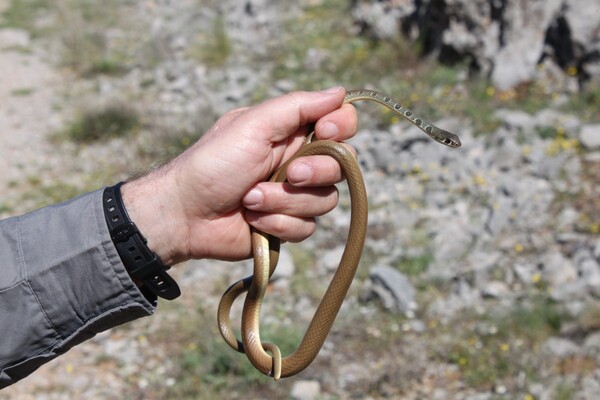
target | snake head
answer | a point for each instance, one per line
(448, 139)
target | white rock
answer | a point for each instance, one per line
(285, 265)
(14, 38)
(331, 259)
(557, 269)
(393, 289)
(590, 136)
(495, 289)
(306, 390)
(559, 347)
(592, 341)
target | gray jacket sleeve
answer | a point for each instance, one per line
(61, 282)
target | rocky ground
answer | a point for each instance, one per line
(480, 277)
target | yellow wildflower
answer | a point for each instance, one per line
(479, 180)
(519, 248)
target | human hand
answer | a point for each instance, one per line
(200, 205)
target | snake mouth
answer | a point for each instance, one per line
(450, 139)
(452, 143)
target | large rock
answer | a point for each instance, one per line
(522, 40)
(506, 40)
(392, 288)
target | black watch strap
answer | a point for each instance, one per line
(141, 263)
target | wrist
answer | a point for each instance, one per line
(143, 265)
(150, 207)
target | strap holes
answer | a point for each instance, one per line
(131, 249)
(116, 218)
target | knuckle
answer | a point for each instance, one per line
(334, 197)
(275, 197)
(279, 224)
(304, 228)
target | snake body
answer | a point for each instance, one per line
(266, 253)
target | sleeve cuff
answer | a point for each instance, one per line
(82, 276)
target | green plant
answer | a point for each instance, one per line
(416, 265)
(5, 208)
(590, 318)
(83, 28)
(86, 44)
(206, 367)
(319, 48)
(302, 282)
(23, 14)
(564, 391)
(22, 92)
(537, 320)
(213, 48)
(488, 350)
(112, 121)
(546, 132)
(51, 194)
(107, 66)
(585, 103)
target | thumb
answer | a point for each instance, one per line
(278, 118)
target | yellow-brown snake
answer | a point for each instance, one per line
(266, 254)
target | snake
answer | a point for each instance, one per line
(267, 357)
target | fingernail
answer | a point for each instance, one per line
(301, 172)
(253, 198)
(328, 130)
(334, 89)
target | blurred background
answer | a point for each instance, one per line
(480, 277)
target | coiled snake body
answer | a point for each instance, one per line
(266, 254)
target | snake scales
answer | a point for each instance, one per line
(266, 254)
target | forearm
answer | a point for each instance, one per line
(62, 282)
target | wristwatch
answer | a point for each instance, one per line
(143, 264)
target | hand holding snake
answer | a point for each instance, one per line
(212, 201)
(202, 203)
(266, 250)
